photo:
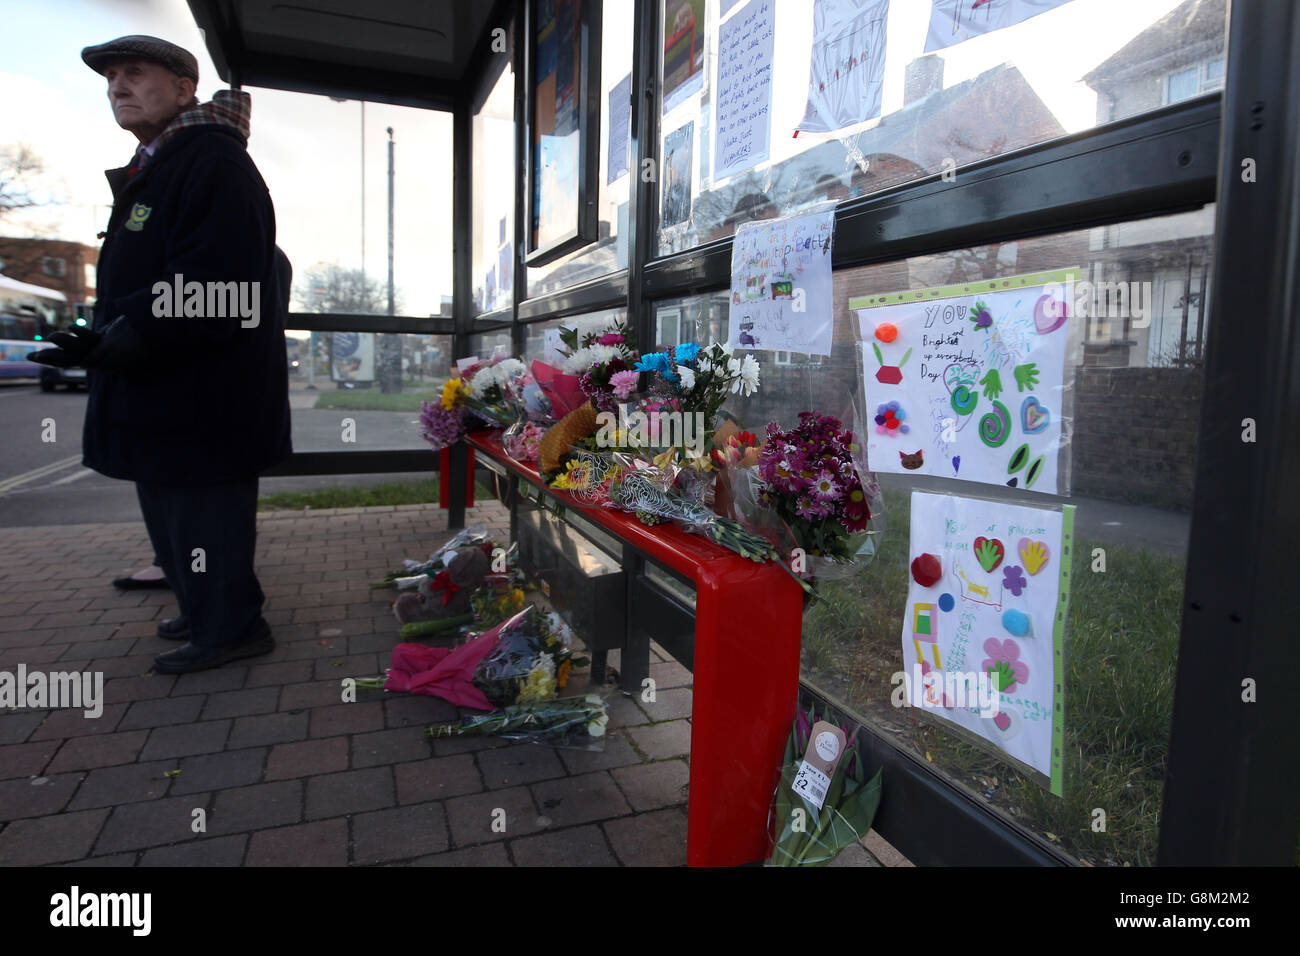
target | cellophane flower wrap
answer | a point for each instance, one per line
(572, 722)
(493, 390)
(695, 381)
(523, 439)
(412, 572)
(811, 482)
(803, 835)
(532, 660)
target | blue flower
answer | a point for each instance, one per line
(685, 353)
(657, 362)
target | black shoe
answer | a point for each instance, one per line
(135, 584)
(174, 629)
(192, 657)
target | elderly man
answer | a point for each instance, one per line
(186, 355)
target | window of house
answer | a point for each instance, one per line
(54, 266)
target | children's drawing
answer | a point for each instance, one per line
(889, 420)
(989, 552)
(889, 374)
(992, 621)
(982, 364)
(1033, 554)
(925, 631)
(1034, 418)
(781, 284)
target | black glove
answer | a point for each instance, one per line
(73, 348)
(118, 349)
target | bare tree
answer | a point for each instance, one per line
(20, 167)
(334, 289)
(331, 288)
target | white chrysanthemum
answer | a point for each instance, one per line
(583, 359)
(703, 363)
(688, 377)
(510, 368)
(748, 376)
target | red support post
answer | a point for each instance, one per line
(748, 623)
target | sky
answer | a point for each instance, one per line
(307, 148)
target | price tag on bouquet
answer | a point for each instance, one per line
(825, 748)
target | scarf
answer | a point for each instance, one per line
(231, 108)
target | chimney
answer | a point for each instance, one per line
(923, 76)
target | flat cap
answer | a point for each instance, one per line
(177, 59)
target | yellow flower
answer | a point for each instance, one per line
(451, 393)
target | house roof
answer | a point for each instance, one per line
(1181, 34)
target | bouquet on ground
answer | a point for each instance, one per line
(527, 657)
(532, 660)
(811, 482)
(411, 573)
(577, 722)
(804, 832)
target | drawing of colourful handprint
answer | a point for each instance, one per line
(1034, 554)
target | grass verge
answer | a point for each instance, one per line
(369, 400)
(398, 493)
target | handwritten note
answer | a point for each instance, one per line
(954, 21)
(781, 284)
(746, 45)
(620, 116)
(846, 76)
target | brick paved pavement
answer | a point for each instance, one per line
(284, 772)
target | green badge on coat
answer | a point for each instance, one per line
(139, 213)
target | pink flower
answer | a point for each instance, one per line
(1004, 664)
(623, 383)
(610, 338)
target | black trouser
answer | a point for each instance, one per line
(219, 596)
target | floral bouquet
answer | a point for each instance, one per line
(812, 484)
(577, 722)
(809, 836)
(602, 362)
(735, 459)
(442, 423)
(411, 573)
(696, 381)
(531, 661)
(491, 390)
(522, 440)
(647, 490)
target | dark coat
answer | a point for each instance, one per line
(210, 400)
